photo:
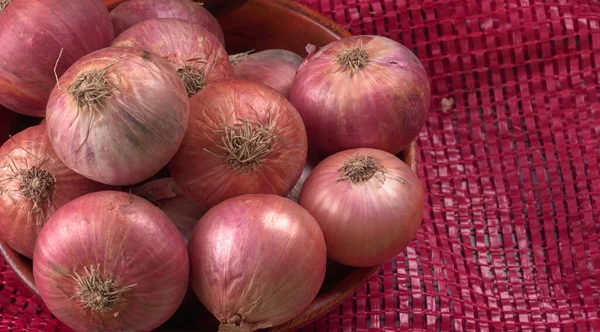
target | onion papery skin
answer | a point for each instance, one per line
(366, 223)
(20, 219)
(165, 194)
(185, 45)
(275, 68)
(133, 12)
(261, 257)
(33, 32)
(132, 132)
(132, 242)
(203, 171)
(382, 105)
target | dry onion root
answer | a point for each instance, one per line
(33, 184)
(243, 138)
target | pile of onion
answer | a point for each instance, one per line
(197, 56)
(368, 203)
(256, 261)
(132, 12)
(41, 38)
(111, 261)
(165, 194)
(362, 92)
(275, 68)
(118, 115)
(33, 184)
(243, 138)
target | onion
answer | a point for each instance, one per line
(118, 115)
(362, 91)
(368, 203)
(33, 184)
(111, 261)
(195, 53)
(133, 12)
(256, 261)
(275, 68)
(35, 34)
(243, 138)
(165, 194)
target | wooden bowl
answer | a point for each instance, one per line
(259, 24)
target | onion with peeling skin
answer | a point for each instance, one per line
(111, 261)
(118, 115)
(362, 92)
(275, 68)
(243, 138)
(34, 182)
(165, 194)
(132, 12)
(368, 202)
(41, 37)
(193, 51)
(256, 261)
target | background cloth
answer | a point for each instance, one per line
(508, 159)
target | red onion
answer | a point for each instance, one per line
(165, 194)
(368, 203)
(362, 91)
(35, 34)
(133, 12)
(196, 54)
(33, 184)
(275, 68)
(118, 115)
(256, 261)
(111, 261)
(243, 138)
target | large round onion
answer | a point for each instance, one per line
(256, 261)
(133, 12)
(199, 58)
(165, 194)
(33, 33)
(368, 203)
(118, 115)
(33, 184)
(362, 91)
(111, 261)
(243, 138)
(275, 68)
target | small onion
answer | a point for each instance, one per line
(243, 138)
(256, 261)
(111, 261)
(275, 68)
(368, 203)
(165, 194)
(133, 12)
(362, 91)
(193, 51)
(33, 184)
(118, 115)
(41, 37)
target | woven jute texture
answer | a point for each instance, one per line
(508, 159)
